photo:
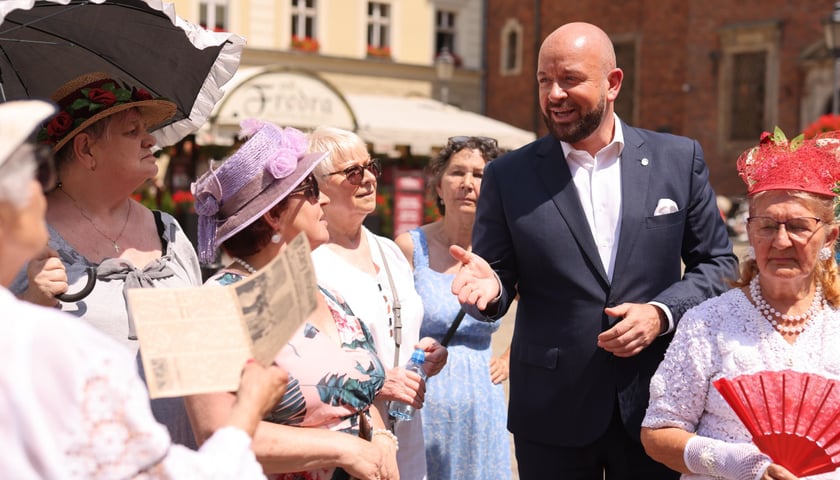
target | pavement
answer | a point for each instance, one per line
(500, 342)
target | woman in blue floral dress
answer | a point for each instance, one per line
(259, 199)
(464, 414)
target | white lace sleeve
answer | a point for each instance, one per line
(73, 406)
(679, 388)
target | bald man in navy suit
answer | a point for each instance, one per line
(589, 225)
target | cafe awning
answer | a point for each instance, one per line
(305, 100)
(424, 123)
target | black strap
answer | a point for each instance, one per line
(451, 332)
(161, 230)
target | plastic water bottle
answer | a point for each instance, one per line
(404, 411)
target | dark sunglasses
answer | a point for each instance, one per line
(458, 140)
(309, 188)
(42, 156)
(356, 174)
(45, 168)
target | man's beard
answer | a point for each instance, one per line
(575, 132)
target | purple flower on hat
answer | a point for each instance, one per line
(206, 204)
(283, 164)
(287, 152)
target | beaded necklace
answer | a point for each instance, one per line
(245, 265)
(783, 323)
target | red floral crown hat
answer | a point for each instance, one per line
(91, 97)
(777, 163)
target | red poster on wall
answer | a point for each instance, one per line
(409, 187)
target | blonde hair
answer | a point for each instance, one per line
(826, 271)
(339, 143)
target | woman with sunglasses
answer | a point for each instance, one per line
(71, 403)
(257, 201)
(372, 275)
(465, 414)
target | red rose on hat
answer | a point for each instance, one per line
(59, 125)
(142, 94)
(102, 97)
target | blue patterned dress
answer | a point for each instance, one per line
(464, 414)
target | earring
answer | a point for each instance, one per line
(750, 253)
(276, 238)
(825, 253)
(93, 165)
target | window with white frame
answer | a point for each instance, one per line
(444, 30)
(212, 14)
(303, 18)
(378, 28)
(511, 41)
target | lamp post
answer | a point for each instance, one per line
(832, 41)
(444, 69)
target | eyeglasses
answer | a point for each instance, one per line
(799, 228)
(45, 168)
(309, 188)
(356, 174)
(461, 139)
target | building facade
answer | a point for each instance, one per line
(403, 74)
(720, 71)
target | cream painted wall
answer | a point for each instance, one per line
(342, 29)
(413, 31)
(341, 26)
(342, 34)
(380, 86)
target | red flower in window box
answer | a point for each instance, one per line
(377, 51)
(826, 123)
(184, 201)
(304, 44)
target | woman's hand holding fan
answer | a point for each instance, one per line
(793, 417)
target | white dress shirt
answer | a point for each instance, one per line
(598, 183)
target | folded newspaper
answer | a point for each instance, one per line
(196, 340)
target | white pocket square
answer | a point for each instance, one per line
(665, 206)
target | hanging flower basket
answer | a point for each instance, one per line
(381, 52)
(304, 44)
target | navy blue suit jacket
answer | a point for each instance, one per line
(532, 230)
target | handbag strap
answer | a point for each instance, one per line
(451, 332)
(397, 306)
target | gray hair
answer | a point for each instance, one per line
(339, 143)
(16, 174)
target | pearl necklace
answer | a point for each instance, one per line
(245, 264)
(800, 322)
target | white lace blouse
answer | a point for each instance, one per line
(72, 406)
(725, 337)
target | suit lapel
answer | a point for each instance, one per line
(554, 173)
(636, 165)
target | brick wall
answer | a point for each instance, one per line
(678, 62)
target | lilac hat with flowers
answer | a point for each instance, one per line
(261, 173)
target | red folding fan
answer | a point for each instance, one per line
(793, 417)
